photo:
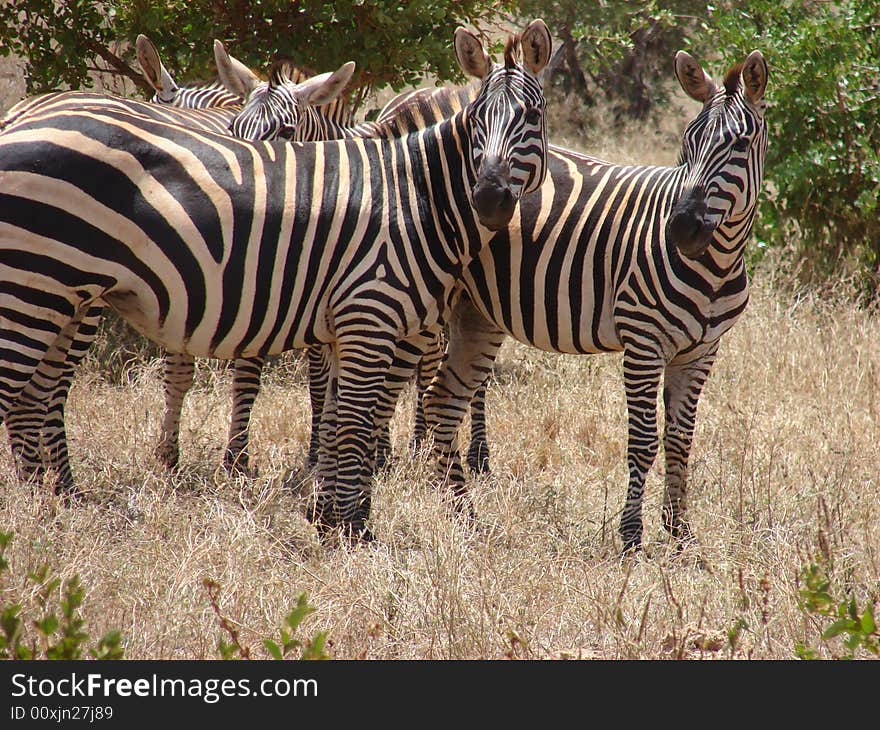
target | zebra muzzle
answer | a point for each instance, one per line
(493, 198)
(688, 228)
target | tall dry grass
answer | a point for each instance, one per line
(785, 466)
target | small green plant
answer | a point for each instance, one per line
(287, 647)
(56, 633)
(857, 627)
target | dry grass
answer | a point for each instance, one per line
(786, 451)
(785, 464)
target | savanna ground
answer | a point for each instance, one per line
(784, 471)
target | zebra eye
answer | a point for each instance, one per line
(533, 115)
(741, 145)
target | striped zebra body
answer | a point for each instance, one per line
(609, 258)
(41, 407)
(35, 425)
(216, 247)
(302, 116)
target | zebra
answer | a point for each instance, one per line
(41, 407)
(214, 246)
(608, 258)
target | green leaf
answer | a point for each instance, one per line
(868, 624)
(273, 649)
(839, 627)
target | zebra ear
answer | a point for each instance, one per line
(536, 46)
(754, 77)
(323, 89)
(234, 75)
(153, 69)
(697, 83)
(474, 61)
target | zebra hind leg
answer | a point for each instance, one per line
(177, 375)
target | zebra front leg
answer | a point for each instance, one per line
(427, 369)
(408, 358)
(320, 511)
(245, 387)
(473, 346)
(641, 379)
(478, 451)
(683, 383)
(362, 368)
(177, 376)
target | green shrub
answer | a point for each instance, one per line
(856, 627)
(58, 631)
(823, 166)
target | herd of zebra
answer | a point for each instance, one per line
(244, 218)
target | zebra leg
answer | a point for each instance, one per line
(245, 387)
(641, 380)
(683, 383)
(478, 451)
(473, 345)
(35, 425)
(21, 356)
(320, 511)
(428, 367)
(177, 376)
(362, 367)
(58, 369)
(319, 377)
(408, 356)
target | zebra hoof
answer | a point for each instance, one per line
(677, 526)
(632, 544)
(478, 457)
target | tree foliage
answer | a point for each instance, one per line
(393, 43)
(823, 165)
(620, 53)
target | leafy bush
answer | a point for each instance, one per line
(857, 628)
(63, 42)
(58, 632)
(823, 166)
(621, 51)
(287, 647)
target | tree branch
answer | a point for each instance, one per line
(120, 66)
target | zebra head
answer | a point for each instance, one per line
(505, 123)
(280, 107)
(723, 152)
(168, 92)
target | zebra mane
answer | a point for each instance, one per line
(284, 69)
(732, 79)
(426, 107)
